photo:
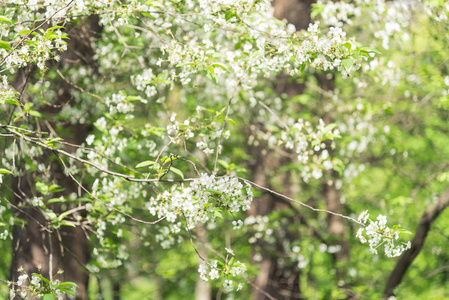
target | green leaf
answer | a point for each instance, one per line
(164, 159)
(34, 113)
(134, 98)
(5, 171)
(68, 223)
(50, 142)
(347, 63)
(443, 177)
(229, 15)
(230, 121)
(54, 28)
(271, 127)
(5, 45)
(24, 32)
(68, 284)
(212, 70)
(4, 19)
(28, 105)
(49, 297)
(51, 215)
(54, 188)
(42, 188)
(214, 191)
(317, 8)
(223, 163)
(12, 102)
(154, 3)
(370, 50)
(347, 45)
(145, 164)
(41, 277)
(218, 213)
(210, 73)
(177, 171)
(63, 215)
(224, 67)
(57, 200)
(329, 127)
(68, 291)
(147, 14)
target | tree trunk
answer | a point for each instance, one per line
(279, 282)
(38, 247)
(202, 289)
(424, 226)
(336, 224)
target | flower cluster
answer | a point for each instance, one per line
(213, 269)
(203, 200)
(38, 49)
(377, 233)
(39, 286)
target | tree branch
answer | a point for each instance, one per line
(428, 217)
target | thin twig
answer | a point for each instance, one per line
(78, 87)
(274, 114)
(102, 202)
(258, 288)
(191, 240)
(299, 202)
(226, 118)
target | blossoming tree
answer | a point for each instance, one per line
(179, 127)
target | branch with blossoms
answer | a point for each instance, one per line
(247, 44)
(227, 191)
(377, 233)
(41, 287)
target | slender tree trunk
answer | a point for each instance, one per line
(280, 282)
(277, 281)
(116, 291)
(336, 224)
(424, 226)
(202, 289)
(37, 246)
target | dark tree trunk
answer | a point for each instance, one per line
(38, 247)
(336, 224)
(278, 281)
(424, 226)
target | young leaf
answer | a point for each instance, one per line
(329, 127)
(68, 284)
(4, 19)
(218, 213)
(68, 223)
(34, 113)
(347, 63)
(42, 278)
(177, 171)
(145, 164)
(214, 191)
(68, 291)
(220, 66)
(5, 45)
(12, 102)
(4, 171)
